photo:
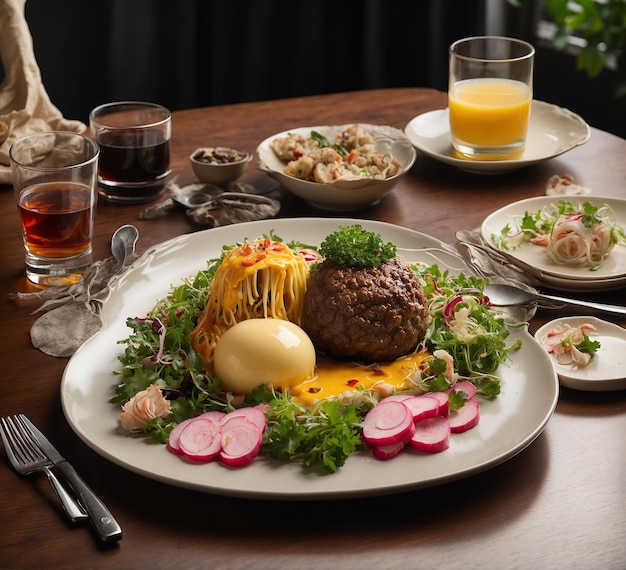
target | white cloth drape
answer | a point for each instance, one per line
(25, 107)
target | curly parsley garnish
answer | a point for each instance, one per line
(356, 247)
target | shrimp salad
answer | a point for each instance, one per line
(351, 155)
(581, 234)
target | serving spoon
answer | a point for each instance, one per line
(123, 244)
(507, 295)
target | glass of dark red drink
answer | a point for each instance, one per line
(134, 139)
(55, 183)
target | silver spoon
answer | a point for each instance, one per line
(508, 295)
(123, 244)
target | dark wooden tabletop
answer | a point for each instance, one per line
(560, 503)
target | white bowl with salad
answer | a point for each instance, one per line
(352, 185)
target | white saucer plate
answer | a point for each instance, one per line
(552, 131)
(532, 258)
(606, 371)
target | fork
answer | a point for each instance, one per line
(27, 458)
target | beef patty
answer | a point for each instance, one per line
(366, 314)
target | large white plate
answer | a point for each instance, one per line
(606, 371)
(508, 424)
(610, 275)
(552, 131)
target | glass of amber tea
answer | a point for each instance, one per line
(55, 183)
(134, 140)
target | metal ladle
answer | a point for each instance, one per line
(508, 296)
(123, 244)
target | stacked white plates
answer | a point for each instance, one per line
(533, 259)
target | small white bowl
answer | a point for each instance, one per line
(342, 195)
(217, 172)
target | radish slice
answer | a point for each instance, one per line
(200, 439)
(431, 435)
(465, 418)
(444, 402)
(466, 387)
(241, 442)
(253, 415)
(422, 407)
(385, 452)
(214, 415)
(398, 397)
(388, 422)
(173, 440)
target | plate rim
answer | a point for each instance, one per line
(499, 166)
(342, 487)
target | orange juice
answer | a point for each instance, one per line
(487, 113)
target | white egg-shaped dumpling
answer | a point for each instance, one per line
(263, 351)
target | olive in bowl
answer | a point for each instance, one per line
(219, 165)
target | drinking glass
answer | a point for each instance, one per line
(134, 139)
(490, 91)
(55, 183)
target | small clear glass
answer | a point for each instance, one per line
(490, 92)
(134, 139)
(55, 184)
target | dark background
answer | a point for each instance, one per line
(189, 53)
(192, 53)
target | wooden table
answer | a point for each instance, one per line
(561, 503)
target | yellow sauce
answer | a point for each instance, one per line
(336, 378)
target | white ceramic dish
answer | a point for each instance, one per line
(552, 131)
(610, 275)
(607, 369)
(344, 195)
(508, 424)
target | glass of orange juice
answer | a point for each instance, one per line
(490, 91)
(55, 182)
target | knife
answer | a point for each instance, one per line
(101, 519)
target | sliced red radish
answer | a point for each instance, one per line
(466, 387)
(173, 440)
(214, 415)
(385, 452)
(200, 439)
(398, 397)
(253, 415)
(466, 417)
(388, 422)
(241, 442)
(431, 435)
(444, 402)
(422, 407)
